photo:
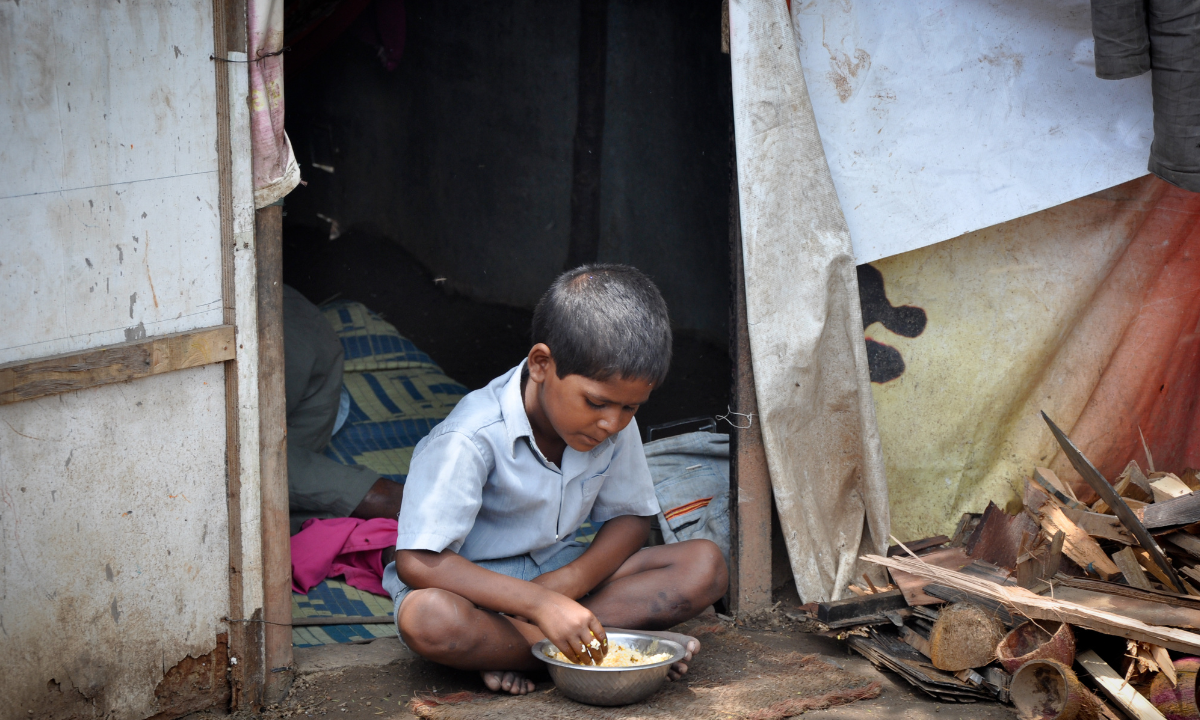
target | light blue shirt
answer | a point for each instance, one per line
(478, 485)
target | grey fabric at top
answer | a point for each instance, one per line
(1161, 36)
(318, 486)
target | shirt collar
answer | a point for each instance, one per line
(512, 409)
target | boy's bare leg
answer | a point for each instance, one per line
(661, 586)
(448, 629)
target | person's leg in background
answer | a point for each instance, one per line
(318, 486)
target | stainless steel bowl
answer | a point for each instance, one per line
(611, 685)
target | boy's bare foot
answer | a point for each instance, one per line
(508, 681)
(691, 647)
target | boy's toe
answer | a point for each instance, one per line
(492, 678)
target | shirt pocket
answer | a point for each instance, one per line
(589, 489)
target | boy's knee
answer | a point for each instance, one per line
(427, 619)
(708, 567)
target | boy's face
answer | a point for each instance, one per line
(583, 412)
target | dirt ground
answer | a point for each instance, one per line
(377, 680)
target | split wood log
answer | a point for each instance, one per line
(1134, 575)
(965, 636)
(1078, 545)
(1169, 488)
(1028, 604)
(1114, 686)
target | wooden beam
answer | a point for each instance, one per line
(750, 481)
(1036, 607)
(115, 363)
(1117, 689)
(272, 424)
(324, 620)
(245, 638)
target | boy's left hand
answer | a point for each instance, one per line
(564, 581)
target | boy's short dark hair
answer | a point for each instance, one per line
(605, 320)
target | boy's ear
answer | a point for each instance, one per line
(540, 362)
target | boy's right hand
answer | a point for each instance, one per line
(572, 628)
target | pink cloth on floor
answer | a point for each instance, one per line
(342, 546)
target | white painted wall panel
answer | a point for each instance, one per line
(114, 553)
(108, 196)
(104, 92)
(108, 264)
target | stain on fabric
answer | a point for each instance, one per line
(132, 302)
(116, 612)
(885, 362)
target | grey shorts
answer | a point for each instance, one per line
(521, 567)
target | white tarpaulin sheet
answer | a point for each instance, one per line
(802, 309)
(939, 117)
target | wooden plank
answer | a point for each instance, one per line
(913, 586)
(1114, 686)
(1148, 563)
(1176, 511)
(1111, 588)
(999, 536)
(1185, 541)
(1107, 527)
(918, 545)
(1056, 488)
(1134, 575)
(1023, 602)
(750, 480)
(1078, 545)
(840, 612)
(1148, 611)
(242, 635)
(115, 363)
(272, 426)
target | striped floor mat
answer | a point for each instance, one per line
(336, 598)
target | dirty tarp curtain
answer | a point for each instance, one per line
(275, 170)
(805, 325)
(1089, 310)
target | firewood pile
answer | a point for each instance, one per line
(1067, 609)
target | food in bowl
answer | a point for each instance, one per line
(619, 656)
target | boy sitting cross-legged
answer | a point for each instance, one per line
(486, 563)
